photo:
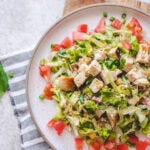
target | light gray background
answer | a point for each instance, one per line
(22, 23)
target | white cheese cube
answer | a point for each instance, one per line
(94, 68)
(128, 64)
(84, 68)
(112, 53)
(108, 76)
(143, 56)
(84, 60)
(141, 82)
(99, 55)
(135, 73)
(80, 79)
(96, 85)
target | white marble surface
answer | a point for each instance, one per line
(22, 23)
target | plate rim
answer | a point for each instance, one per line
(38, 44)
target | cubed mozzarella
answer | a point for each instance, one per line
(84, 68)
(143, 56)
(135, 73)
(112, 53)
(84, 60)
(109, 76)
(94, 68)
(99, 55)
(80, 79)
(128, 64)
(141, 82)
(96, 85)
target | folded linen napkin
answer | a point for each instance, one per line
(17, 64)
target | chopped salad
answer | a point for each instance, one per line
(100, 81)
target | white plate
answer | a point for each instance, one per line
(42, 112)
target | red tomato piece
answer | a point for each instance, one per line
(59, 126)
(133, 139)
(101, 26)
(122, 147)
(95, 145)
(79, 143)
(126, 44)
(44, 70)
(66, 42)
(51, 123)
(48, 91)
(56, 47)
(116, 24)
(148, 141)
(82, 28)
(138, 35)
(110, 145)
(78, 35)
(141, 145)
(134, 23)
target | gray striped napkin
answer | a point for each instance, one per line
(17, 64)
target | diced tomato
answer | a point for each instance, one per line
(79, 143)
(48, 91)
(78, 35)
(126, 44)
(45, 72)
(110, 145)
(56, 47)
(116, 24)
(148, 141)
(133, 139)
(141, 145)
(136, 28)
(66, 42)
(95, 145)
(82, 28)
(138, 35)
(101, 26)
(122, 147)
(134, 24)
(59, 126)
(51, 123)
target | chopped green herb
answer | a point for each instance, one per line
(124, 15)
(112, 19)
(124, 21)
(42, 62)
(81, 98)
(88, 81)
(41, 97)
(62, 52)
(116, 34)
(111, 63)
(54, 69)
(122, 63)
(52, 45)
(105, 14)
(54, 59)
(10, 75)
